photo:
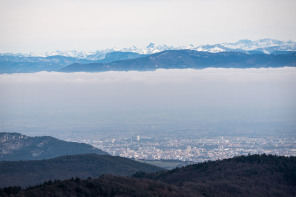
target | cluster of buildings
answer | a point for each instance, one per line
(191, 148)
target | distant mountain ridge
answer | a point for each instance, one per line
(265, 45)
(20, 64)
(55, 61)
(184, 59)
(15, 146)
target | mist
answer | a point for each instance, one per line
(207, 102)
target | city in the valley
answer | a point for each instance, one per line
(193, 148)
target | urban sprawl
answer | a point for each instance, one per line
(191, 148)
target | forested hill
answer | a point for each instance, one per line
(28, 173)
(253, 175)
(15, 146)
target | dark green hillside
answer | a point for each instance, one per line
(254, 175)
(15, 146)
(104, 186)
(26, 173)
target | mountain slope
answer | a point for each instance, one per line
(180, 59)
(54, 61)
(15, 146)
(22, 64)
(106, 186)
(119, 55)
(253, 175)
(25, 173)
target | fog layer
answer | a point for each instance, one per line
(209, 101)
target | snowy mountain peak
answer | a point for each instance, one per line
(151, 45)
(265, 45)
(245, 41)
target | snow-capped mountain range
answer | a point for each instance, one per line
(263, 45)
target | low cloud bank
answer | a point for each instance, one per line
(66, 100)
(158, 76)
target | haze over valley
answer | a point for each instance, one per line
(212, 101)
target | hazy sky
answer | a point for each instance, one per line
(47, 25)
(226, 100)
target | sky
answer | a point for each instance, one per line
(217, 100)
(87, 25)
